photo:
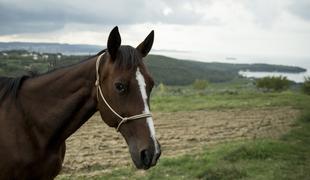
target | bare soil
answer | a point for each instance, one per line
(97, 148)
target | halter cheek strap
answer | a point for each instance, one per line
(123, 119)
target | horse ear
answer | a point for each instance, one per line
(114, 42)
(145, 47)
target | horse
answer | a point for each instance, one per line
(38, 113)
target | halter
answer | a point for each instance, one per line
(123, 119)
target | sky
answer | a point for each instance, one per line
(229, 27)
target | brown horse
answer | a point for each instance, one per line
(38, 114)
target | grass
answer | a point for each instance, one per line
(285, 158)
(175, 103)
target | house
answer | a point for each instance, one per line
(45, 56)
(35, 57)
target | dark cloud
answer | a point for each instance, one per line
(34, 16)
(42, 16)
(301, 8)
(17, 20)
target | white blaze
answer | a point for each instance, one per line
(149, 120)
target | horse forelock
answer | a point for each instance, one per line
(128, 57)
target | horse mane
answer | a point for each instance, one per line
(10, 86)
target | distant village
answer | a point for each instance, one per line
(17, 62)
(29, 55)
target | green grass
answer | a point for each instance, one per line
(287, 158)
(239, 93)
(218, 101)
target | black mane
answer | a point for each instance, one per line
(9, 86)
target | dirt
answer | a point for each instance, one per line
(97, 148)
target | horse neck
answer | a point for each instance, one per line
(58, 103)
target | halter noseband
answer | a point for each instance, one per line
(123, 119)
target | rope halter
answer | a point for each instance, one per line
(123, 119)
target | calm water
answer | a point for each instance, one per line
(303, 62)
(297, 77)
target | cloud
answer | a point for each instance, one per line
(210, 26)
(265, 12)
(301, 8)
(17, 16)
(18, 20)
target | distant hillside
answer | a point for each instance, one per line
(51, 47)
(180, 72)
(165, 70)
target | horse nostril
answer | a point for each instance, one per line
(146, 158)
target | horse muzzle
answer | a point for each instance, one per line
(146, 158)
(149, 159)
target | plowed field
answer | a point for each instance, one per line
(96, 148)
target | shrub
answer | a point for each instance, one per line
(200, 84)
(273, 83)
(306, 85)
(162, 89)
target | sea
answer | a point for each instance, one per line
(303, 62)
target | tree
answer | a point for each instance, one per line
(306, 85)
(162, 88)
(200, 84)
(273, 83)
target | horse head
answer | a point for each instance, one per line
(123, 90)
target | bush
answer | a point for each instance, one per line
(273, 83)
(306, 85)
(162, 89)
(200, 84)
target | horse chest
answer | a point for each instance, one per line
(23, 159)
(49, 164)
(37, 165)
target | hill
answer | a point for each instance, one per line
(165, 70)
(51, 47)
(181, 72)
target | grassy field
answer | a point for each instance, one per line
(241, 94)
(284, 158)
(262, 158)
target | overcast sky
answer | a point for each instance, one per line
(249, 27)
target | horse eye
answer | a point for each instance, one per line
(120, 87)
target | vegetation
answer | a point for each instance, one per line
(20, 62)
(284, 158)
(287, 158)
(200, 84)
(273, 83)
(219, 100)
(165, 70)
(161, 89)
(237, 94)
(52, 47)
(172, 71)
(306, 86)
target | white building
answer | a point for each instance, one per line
(35, 57)
(45, 56)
